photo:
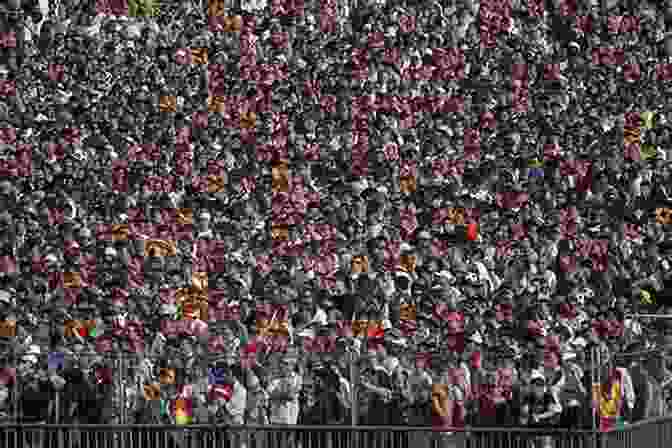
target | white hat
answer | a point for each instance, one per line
(405, 247)
(5, 296)
(579, 342)
(111, 251)
(33, 350)
(537, 375)
(30, 358)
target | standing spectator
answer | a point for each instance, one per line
(283, 390)
(419, 402)
(257, 408)
(573, 395)
(378, 382)
(230, 409)
(37, 393)
(540, 409)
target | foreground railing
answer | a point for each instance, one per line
(210, 436)
(652, 433)
(647, 434)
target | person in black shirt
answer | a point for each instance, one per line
(36, 395)
(540, 409)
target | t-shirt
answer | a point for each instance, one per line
(346, 304)
(34, 402)
(541, 406)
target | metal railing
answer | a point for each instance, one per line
(656, 433)
(210, 436)
(653, 433)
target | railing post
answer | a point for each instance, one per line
(121, 386)
(594, 382)
(354, 386)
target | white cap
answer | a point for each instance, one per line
(580, 342)
(5, 296)
(537, 375)
(33, 350)
(111, 251)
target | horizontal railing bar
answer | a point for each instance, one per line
(289, 428)
(641, 423)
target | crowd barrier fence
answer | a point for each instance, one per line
(655, 433)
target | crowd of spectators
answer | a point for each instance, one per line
(218, 216)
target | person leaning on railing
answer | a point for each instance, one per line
(573, 395)
(540, 409)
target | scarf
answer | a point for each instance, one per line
(610, 400)
(610, 403)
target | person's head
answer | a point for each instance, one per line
(289, 360)
(307, 299)
(204, 220)
(28, 364)
(341, 286)
(252, 383)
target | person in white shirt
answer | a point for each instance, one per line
(204, 230)
(283, 391)
(231, 411)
